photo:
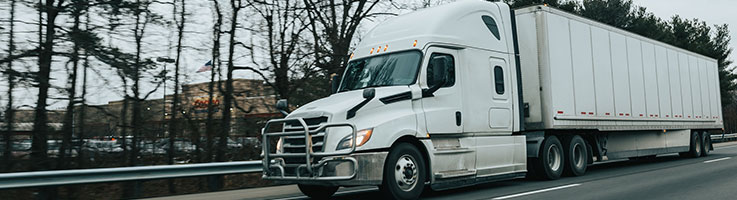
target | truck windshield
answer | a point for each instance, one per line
(385, 70)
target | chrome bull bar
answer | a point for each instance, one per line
(278, 158)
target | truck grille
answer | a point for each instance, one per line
(296, 144)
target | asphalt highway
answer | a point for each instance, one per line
(664, 177)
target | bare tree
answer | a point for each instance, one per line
(173, 122)
(39, 156)
(210, 125)
(83, 100)
(282, 26)
(9, 110)
(235, 6)
(77, 10)
(333, 27)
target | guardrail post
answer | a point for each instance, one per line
(214, 183)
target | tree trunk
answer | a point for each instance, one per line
(173, 122)
(10, 111)
(68, 127)
(228, 95)
(210, 126)
(81, 162)
(39, 146)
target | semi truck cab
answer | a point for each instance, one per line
(434, 98)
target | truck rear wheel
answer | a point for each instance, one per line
(705, 143)
(404, 173)
(575, 156)
(317, 191)
(695, 146)
(550, 160)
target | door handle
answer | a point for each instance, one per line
(458, 118)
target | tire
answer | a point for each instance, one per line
(532, 169)
(575, 156)
(404, 173)
(317, 191)
(550, 161)
(694, 147)
(705, 143)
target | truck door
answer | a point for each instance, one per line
(443, 109)
(454, 152)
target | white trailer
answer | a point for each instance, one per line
(472, 92)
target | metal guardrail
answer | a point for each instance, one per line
(724, 137)
(100, 175)
(117, 174)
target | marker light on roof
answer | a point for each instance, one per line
(351, 56)
(414, 44)
(386, 47)
(372, 51)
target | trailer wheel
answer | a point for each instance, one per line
(404, 173)
(695, 147)
(317, 191)
(705, 143)
(575, 156)
(549, 163)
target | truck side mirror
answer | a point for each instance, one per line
(369, 93)
(334, 83)
(282, 106)
(429, 91)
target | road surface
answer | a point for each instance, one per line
(664, 177)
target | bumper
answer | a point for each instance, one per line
(341, 168)
(341, 171)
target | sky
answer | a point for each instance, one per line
(710, 11)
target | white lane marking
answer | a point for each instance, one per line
(356, 191)
(292, 198)
(726, 147)
(715, 160)
(337, 193)
(536, 191)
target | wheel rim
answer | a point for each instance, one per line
(554, 157)
(405, 173)
(707, 143)
(578, 155)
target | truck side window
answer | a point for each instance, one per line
(491, 25)
(499, 79)
(441, 66)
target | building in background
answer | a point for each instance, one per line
(252, 107)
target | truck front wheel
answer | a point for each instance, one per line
(317, 191)
(549, 163)
(404, 173)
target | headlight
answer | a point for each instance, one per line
(361, 137)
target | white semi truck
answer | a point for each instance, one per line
(472, 91)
